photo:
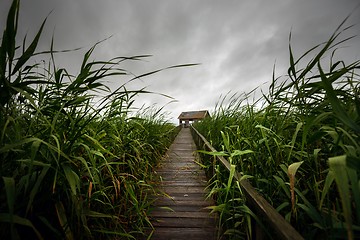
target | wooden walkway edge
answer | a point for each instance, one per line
(182, 214)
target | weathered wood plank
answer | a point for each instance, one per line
(183, 173)
(181, 189)
(184, 183)
(170, 202)
(183, 196)
(178, 209)
(184, 234)
(184, 214)
(184, 222)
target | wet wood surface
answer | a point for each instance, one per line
(181, 213)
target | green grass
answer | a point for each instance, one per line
(302, 143)
(73, 166)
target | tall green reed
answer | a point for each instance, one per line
(311, 117)
(71, 168)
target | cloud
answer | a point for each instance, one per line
(236, 42)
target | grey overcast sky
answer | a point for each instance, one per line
(236, 42)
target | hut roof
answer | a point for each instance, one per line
(194, 115)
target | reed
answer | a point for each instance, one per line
(72, 165)
(307, 126)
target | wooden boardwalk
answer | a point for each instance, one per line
(183, 214)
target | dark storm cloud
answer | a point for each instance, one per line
(236, 42)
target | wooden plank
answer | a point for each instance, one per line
(176, 159)
(182, 189)
(184, 183)
(179, 165)
(185, 172)
(183, 214)
(180, 178)
(179, 209)
(184, 234)
(184, 222)
(169, 202)
(190, 197)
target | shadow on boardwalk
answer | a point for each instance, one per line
(183, 214)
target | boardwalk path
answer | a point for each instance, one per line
(184, 181)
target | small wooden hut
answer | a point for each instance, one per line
(186, 118)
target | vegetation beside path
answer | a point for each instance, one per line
(72, 165)
(299, 145)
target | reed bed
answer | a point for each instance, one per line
(72, 169)
(298, 144)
